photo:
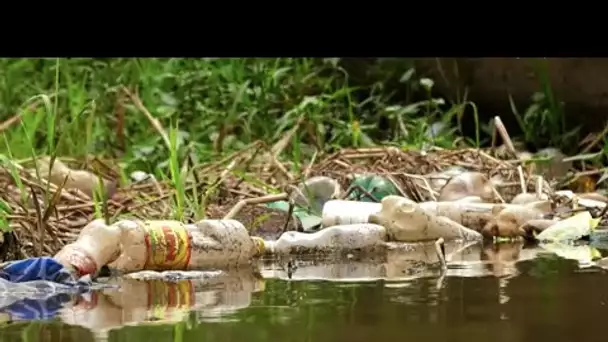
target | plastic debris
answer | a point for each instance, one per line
(308, 221)
(570, 229)
(377, 186)
(141, 177)
(85, 181)
(339, 212)
(336, 239)
(584, 254)
(314, 192)
(406, 221)
(467, 184)
(584, 202)
(527, 197)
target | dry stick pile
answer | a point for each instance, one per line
(45, 217)
(412, 171)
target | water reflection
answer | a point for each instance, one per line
(311, 297)
(401, 264)
(158, 302)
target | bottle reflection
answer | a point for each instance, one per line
(500, 258)
(146, 298)
(402, 264)
(156, 301)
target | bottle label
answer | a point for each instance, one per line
(163, 296)
(82, 261)
(168, 245)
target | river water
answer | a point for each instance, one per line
(502, 292)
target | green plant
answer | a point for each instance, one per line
(211, 107)
(544, 122)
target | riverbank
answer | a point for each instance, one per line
(188, 139)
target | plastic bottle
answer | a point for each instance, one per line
(62, 175)
(467, 184)
(407, 221)
(336, 239)
(134, 245)
(172, 245)
(339, 212)
(315, 192)
(96, 245)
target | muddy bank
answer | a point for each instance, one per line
(574, 81)
(489, 81)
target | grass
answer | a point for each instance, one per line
(211, 107)
(544, 121)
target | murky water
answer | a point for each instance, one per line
(499, 292)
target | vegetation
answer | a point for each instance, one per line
(74, 107)
(153, 114)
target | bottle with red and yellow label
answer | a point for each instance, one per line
(172, 245)
(159, 245)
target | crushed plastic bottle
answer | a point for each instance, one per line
(314, 192)
(570, 229)
(406, 221)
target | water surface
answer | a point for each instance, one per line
(499, 292)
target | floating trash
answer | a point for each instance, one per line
(377, 186)
(406, 221)
(336, 239)
(314, 192)
(340, 212)
(570, 229)
(308, 221)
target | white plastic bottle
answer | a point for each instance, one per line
(340, 212)
(337, 239)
